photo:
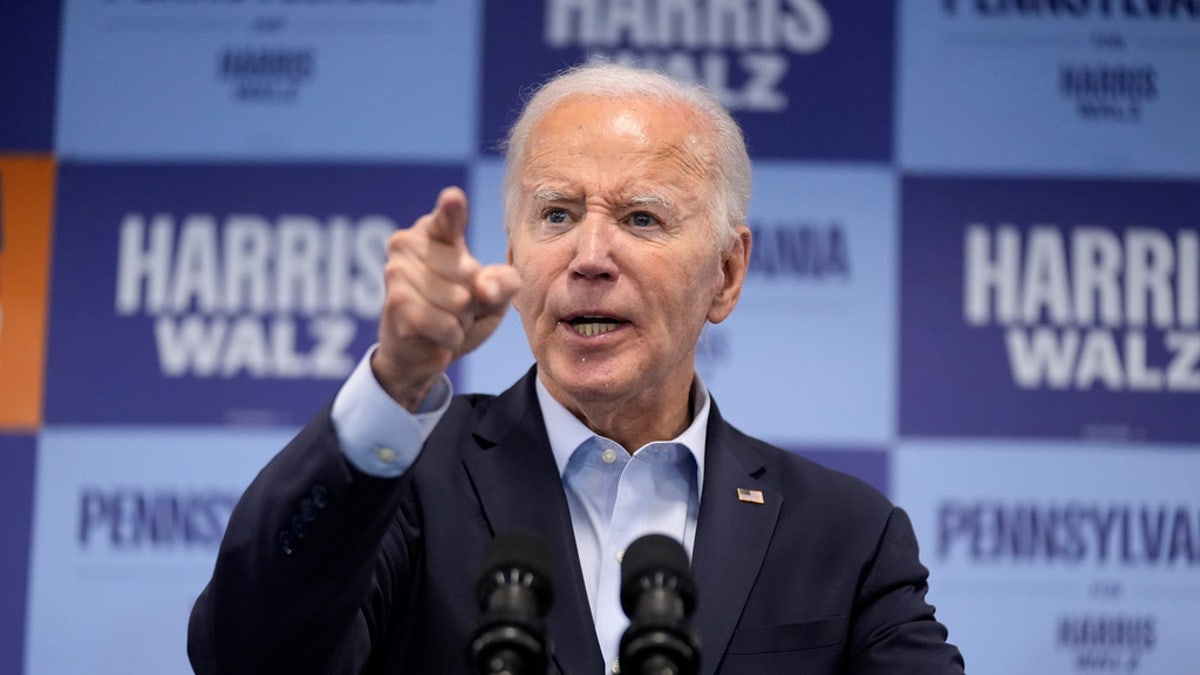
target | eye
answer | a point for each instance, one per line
(557, 216)
(643, 219)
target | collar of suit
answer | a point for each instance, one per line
(731, 540)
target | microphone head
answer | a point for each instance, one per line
(656, 560)
(524, 553)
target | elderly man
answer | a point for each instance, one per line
(357, 548)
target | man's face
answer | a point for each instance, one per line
(613, 239)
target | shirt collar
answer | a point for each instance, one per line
(567, 433)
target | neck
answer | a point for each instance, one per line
(657, 415)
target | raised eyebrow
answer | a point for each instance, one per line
(650, 200)
(546, 196)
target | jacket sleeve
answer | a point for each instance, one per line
(894, 631)
(296, 586)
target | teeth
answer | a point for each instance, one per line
(594, 328)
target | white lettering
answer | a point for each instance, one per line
(247, 257)
(189, 345)
(1183, 374)
(800, 26)
(1099, 360)
(627, 21)
(225, 294)
(762, 91)
(1041, 358)
(1096, 254)
(249, 264)
(246, 349)
(807, 29)
(200, 346)
(370, 248)
(298, 273)
(196, 266)
(729, 23)
(1188, 272)
(135, 263)
(1149, 263)
(1136, 278)
(986, 274)
(330, 355)
(1141, 376)
(1064, 359)
(1045, 282)
(679, 24)
(559, 17)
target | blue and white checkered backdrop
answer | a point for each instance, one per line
(975, 281)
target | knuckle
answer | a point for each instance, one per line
(459, 298)
(445, 330)
(399, 241)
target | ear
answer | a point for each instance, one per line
(733, 274)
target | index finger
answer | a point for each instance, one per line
(447, 222)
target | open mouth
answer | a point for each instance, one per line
(591, 326)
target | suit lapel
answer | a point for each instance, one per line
(518, 486)
(732, 537)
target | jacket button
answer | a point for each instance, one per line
(299, 526)
(308, 510)
(320, 496)
(287, 542)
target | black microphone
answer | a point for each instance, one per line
(514, 592)
(658, 596)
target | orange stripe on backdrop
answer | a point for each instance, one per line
(26, 214)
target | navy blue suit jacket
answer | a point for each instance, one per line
(326, 570)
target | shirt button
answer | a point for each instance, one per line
(609, 455)
(385, 454)
(620, 556)
(616, 667)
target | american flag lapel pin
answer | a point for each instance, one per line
(750, 496)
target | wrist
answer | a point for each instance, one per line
(406, 387)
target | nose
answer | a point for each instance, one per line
(594, 249)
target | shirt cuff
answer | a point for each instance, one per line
(378, 436)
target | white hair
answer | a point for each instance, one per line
(730, 200)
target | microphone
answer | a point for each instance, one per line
(658, 596)
(514, 591)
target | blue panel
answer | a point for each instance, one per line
(126, 532)
(16, 503)
(1059, 557)
(1096, 88)
(269, 80)
(1054, 308)
(805, 78)
(210, 294)
(808, 354)
(29, 35)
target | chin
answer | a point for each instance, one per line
(586, 382)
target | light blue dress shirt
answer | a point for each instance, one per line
(614, 497)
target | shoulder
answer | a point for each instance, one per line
(812, 488)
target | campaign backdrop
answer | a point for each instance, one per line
(974, 283)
